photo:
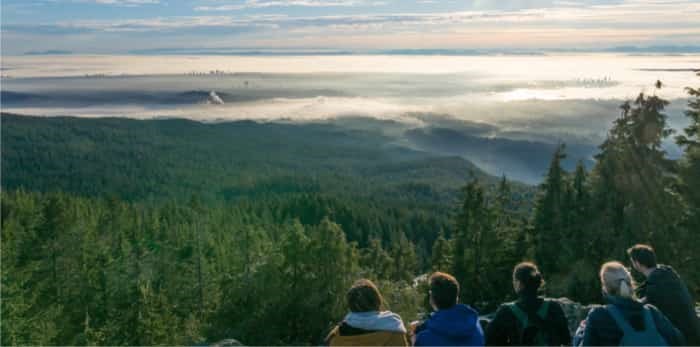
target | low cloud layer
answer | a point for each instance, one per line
(483, 107)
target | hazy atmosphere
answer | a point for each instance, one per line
(547, 98)
(349, 172)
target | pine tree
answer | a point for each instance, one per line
(632, 175)
(376, 260)
(579, 211)
(689, 189)
(549, 221)
(334, 267)
(405, 260)
(441, 256)
(474, 228)
(690, 164)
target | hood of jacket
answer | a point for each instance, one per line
(457, 322)
(376, 321)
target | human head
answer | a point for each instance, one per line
(616, 280)
(642, 257)
(527, 278)
(444, 290)
(364, 296)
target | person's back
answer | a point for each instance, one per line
(626, 320)
(530, 320)
(366, 325)
(452, 324)
(664, 289)
(369, 329)
(455, 326)
(603, 329)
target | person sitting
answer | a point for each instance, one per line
(366, 324)
(625, 321)
(664, 289)
(452, 324)
(531, 320)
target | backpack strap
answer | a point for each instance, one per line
(519, 314)
(620, 320)
(543, 311)
(649, 323)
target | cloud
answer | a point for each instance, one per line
(286, 3)
(126, 3)
(531, 25)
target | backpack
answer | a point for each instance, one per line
(650, 336)
(532, 328)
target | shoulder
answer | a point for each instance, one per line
(555, 308)
(662, 273)
(655, 312)
(598, 314)
(334, 332)
(504, 312)
(554, 304)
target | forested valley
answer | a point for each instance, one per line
(144, 232)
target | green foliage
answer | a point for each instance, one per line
(441, 254)
(482, 254)
(104, 244)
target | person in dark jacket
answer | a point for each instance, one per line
(600, 327)
(664, 289)
(452, 324)
(545, 317)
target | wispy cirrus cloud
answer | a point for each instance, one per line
(124, 2)
(248, 4)
(357, 24)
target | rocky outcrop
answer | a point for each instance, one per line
(227, 343)
(574, 311)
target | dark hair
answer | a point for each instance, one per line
(643, 254)
(529, 276)
(364, 296)
(444, 290)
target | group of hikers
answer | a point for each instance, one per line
(659, 312)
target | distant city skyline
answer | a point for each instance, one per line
(223, 26)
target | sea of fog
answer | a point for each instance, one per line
(570, 98)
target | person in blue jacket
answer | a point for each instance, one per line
(452, 324)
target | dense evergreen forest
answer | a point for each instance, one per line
(126, 232)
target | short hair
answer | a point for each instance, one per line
(529, 276)
(643, 254)
(444, 290)
(364, 296)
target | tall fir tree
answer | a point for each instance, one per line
(549, 222)
(474, 231)
(441, 255)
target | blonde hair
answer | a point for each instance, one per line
(616, 280)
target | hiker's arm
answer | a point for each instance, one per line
(671, 334)
(590, 332)
(498, 329)
(562, 325)
(652, 293)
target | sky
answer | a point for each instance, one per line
(172, 26)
